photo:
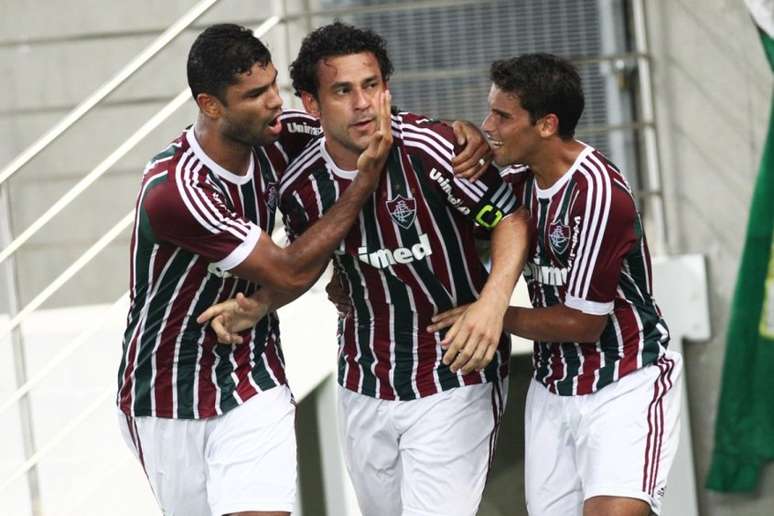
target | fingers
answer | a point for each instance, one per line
(475, 165)
(446, 319)
(459, 132)
(214, 311)
(219, 326)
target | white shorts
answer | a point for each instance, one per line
(244, 460)
(619, 441)
(424, 457)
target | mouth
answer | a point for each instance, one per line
(362, 124)
(493, 143)
(274, 125)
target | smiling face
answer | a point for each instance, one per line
(345, 103)
(511, 133)
(251, 108)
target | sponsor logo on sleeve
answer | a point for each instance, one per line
(295, 127)
(445, 184)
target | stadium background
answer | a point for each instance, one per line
(692, 163)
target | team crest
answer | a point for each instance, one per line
(272, 196)
(403, 210)
(559, 236)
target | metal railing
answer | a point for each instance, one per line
(22, 391)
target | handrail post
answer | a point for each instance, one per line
(19, 356)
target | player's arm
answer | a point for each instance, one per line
(584, 313)
(473, 339)
(293, 269)
(476, 156)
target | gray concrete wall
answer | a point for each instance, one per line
(713, 89)
(54, 54)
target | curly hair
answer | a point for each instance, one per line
(219, 54)
(544, 84)
(336, 39)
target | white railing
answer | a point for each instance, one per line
(107, 88)
(102, 168)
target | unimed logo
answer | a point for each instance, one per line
(386, 257)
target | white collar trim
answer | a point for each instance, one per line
(217, 169)
(551, 190)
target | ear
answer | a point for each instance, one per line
(548, 125)
(210, 105)
(311, 105)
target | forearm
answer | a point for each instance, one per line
(305, 259)
(553, 324)
(275, 299)
(509, 246)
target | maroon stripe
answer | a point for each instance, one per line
(665, 378)
(630, 334)
(242, 355)
(648, 442)
(206, 391)
(274, 360)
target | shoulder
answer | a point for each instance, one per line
(295, 121)
(309, 159)
(516, 174)
(424, 137)
(603, 187)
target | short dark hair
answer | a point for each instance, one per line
(544, 84)
(336, 39)
(219, 54)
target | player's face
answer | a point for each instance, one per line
(512, 135)
(253, 105)
(348, 88)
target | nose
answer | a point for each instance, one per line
(275, 100)
(361, 99)
(487, 125)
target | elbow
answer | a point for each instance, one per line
(592, 332)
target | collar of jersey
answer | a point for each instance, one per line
(551, 190)
(214, 167)
(345, 174)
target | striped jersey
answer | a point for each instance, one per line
(410, 254)
(590, 254)
(195, 221)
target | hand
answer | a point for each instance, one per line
(476, 157)
(338, 294)
(233, 316)
(474, 335)
(370, 163)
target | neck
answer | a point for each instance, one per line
(554, 161)
(229, 154)
(343, 157)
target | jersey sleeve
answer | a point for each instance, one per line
(485, 201)
(194, 215)
(298, 129)
(604, 227)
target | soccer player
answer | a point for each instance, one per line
(418, 427)
(212, 425)
(602, 411)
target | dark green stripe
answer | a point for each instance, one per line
(403, 328)
(572, 369)
(157, 306)
(363, 330)
(190, 347)
(144, 242)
